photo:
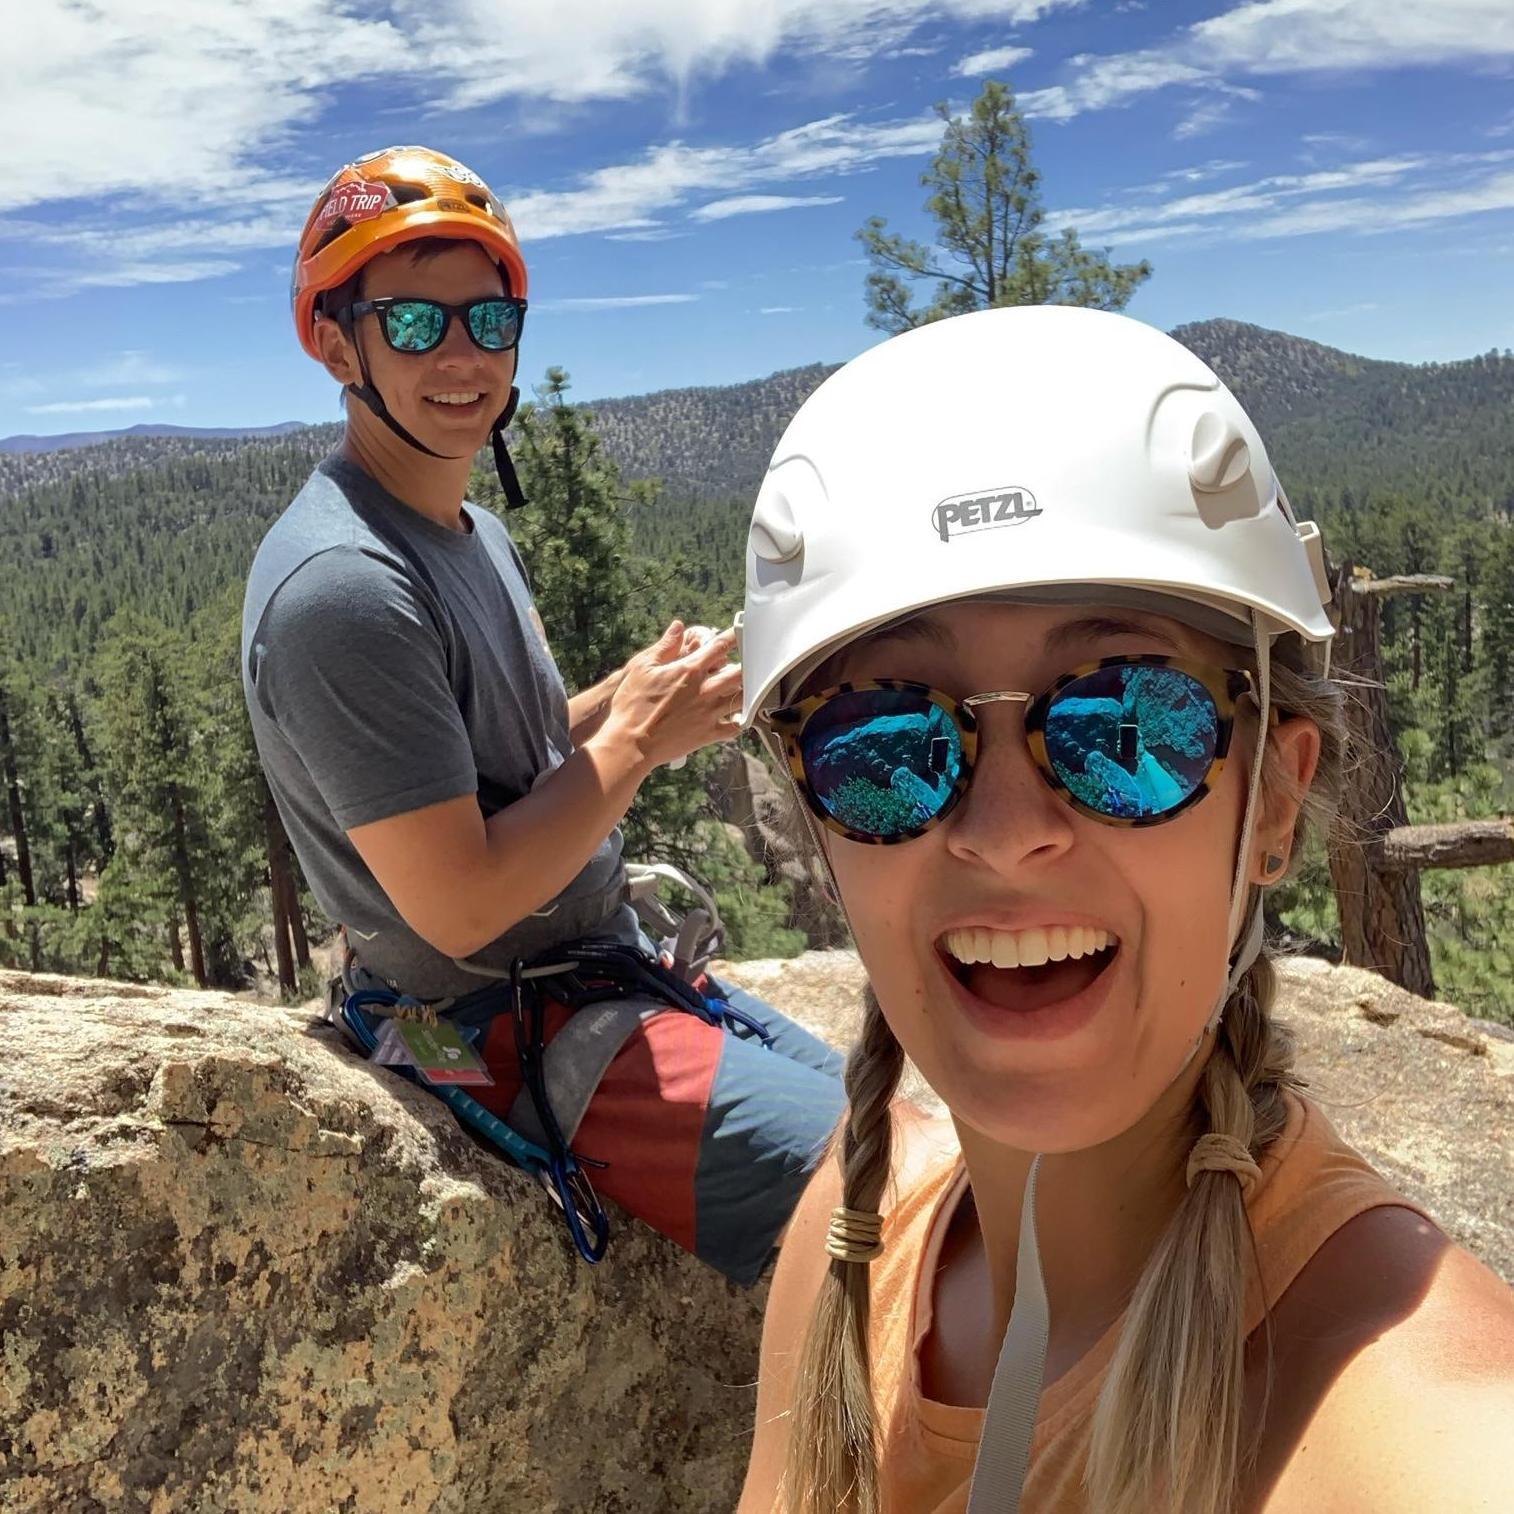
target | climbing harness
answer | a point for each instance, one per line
(610, 988)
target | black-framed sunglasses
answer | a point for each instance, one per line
(418, 326)
(1128, 741)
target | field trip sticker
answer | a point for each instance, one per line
(353, 202)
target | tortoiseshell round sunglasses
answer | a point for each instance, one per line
(1126, 741)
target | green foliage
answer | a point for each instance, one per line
(755, 912)
(991, 249)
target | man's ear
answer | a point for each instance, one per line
(1295, 752)
(337, 351)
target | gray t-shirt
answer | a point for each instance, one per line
(390, 664)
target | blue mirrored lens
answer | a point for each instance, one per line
(415, 325)
(1133, 742)
(495, 324)
(882, 761)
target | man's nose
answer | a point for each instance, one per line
(457, 343)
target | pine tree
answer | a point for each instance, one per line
(14, 718)
(144, 714)
(986, 202)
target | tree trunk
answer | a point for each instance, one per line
(175, 943)
(196, 943)
(13, 799)
(297, 924)
(101, 816)
(73, 873)
(186, 890)
(279, 891)
(1382, 916)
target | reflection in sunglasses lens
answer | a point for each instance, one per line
(882, 762)
(493, 324)
(1133, 742)
(415, 325)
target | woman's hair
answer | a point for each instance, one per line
(1167, 1426)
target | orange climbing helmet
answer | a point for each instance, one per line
(384, 200)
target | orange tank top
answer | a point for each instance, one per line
(1312, 1183)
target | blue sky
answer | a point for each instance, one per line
(688, 175)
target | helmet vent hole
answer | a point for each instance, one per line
(338, 227)
(408, 194)
(478, 200)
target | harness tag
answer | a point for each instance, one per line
(437, 1052)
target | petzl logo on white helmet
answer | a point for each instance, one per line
(965, 514)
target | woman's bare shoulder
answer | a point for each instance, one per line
(1395, 1376)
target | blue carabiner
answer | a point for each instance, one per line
(732, 1015)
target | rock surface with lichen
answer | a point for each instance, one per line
(242, 1271)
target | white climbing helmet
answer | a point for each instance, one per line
(1017, 449)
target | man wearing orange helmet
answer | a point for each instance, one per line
(450, 805)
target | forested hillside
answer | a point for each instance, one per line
(126, 777)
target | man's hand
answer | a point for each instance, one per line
(676, 696)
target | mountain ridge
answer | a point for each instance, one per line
(1331, 419)
(65, 441)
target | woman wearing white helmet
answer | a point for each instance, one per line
(1023, 596)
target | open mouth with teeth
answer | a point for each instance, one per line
(463, 399)
(1026, 970)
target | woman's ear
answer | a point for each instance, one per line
(1286, 775)
(337, 351)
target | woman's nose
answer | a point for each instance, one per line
(1009, 814)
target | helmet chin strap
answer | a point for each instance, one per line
(366, 392)
(1244, 928)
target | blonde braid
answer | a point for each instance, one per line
(832, 1457)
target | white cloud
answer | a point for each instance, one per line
(1196, 173)
(1345, 310)
(743, 205)
(1099, 83)
(614, 301)
(630, 196)
(220, 132)
(626, 200)
(1408, 191)
(975, 65)
(124, 275)
(1204, 117)
(651, 234)
(779, 310)
(203, 114)
(1263, 37)
(72, 407)
(127, 370)
(639, 43)
(1341, 140)
(1306, 36)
